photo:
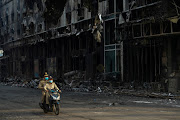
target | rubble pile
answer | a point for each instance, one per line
(21, 82)
(75, 81)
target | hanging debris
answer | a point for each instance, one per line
(97, 28)
(121, 19)
(54, 10)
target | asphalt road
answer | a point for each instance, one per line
(22, 104)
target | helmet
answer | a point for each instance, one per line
(46, 76)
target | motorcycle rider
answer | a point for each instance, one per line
(41, 85)
(50, 85)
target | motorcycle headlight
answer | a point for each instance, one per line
(56, 98)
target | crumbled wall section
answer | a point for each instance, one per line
(54, 10)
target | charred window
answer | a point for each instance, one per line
(111, 6)
(12, 16)
(119, 5)
(109, 32)
(137, 30)
(176, 26)
(146, 29)
(110, 61)
(31, 28)
(166, 27)
(1, 22)
(155, 28)
(80, 13)
(68, 18)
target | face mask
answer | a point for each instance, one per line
(51, 81)
(46, 78)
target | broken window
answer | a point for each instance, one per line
(110, 61)
(12, 16)
(166, 27)
(31, 28)
(94, 9)
(68, 18)
(119, 5)
(155, 28)
(109, 32)
(146, 29)
(111, 6)
(39, 29)
(137, 30)
(176, 26)
(80, 13)
(1, 22)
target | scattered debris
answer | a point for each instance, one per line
(111, 104)
(76, 81)
(145, 102)
(20, 82)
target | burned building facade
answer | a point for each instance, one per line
(35, 40)
(135, 41)
(150, 37)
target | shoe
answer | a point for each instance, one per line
(47, 107)
(41, 105)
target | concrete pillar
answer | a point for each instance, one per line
(169, 56)
(125, 5)
(122, 62)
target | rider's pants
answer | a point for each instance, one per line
(43, 96)
(47, 97)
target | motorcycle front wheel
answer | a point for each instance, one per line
(56, 108)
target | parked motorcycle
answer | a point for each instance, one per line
(54, 102)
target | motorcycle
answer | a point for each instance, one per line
(54, 102)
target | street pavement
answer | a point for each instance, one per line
(22, 104)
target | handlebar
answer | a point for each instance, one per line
(53, 90)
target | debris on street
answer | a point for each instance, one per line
(75, 81)
(21, 82)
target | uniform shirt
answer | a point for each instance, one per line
(42, 83)
(51, 86)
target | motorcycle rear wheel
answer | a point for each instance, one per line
(56, 108)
